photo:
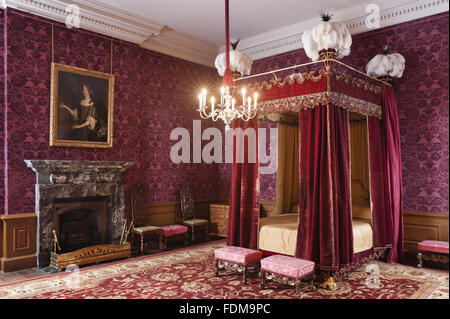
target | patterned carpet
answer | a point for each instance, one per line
(189, 273)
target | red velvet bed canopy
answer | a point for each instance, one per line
(323, 100)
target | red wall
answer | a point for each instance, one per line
(154, 93)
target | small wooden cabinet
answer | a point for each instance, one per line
(218, 219)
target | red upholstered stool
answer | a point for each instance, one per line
(287, 270)
(172, 233)
(436, 251)
(236, 259)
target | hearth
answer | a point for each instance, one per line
(82, 201)
(81, 223)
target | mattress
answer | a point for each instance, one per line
(278, 234)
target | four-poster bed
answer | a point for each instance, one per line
(330, 227)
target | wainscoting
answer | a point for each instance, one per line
(18, 242)
(160, 214)
(18, 231)
(420, 226)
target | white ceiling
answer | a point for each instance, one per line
(204, 19)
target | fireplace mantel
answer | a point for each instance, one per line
(59, 180)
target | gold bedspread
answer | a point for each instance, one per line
(278, 234)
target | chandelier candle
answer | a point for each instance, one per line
(227, 110)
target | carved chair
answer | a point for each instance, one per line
(139, 217)
(195, 226)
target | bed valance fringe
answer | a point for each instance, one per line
(310, 101)
(305, 91)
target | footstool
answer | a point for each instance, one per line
(236, 259)
(287, 270)
(433, 250)
(173, 233)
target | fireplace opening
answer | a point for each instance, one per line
(81, 223)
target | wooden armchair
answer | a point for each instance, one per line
(195, 226)
(139, 217)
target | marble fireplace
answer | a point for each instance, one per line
(82, 201)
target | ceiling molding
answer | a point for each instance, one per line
(184, 47)
(289, 38)
(98, 17)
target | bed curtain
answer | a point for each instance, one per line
(244, 195)
(325, 223)
(386, 178)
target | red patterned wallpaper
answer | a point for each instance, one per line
(423, 99)
(153, 95)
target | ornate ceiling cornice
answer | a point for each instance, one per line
(120, 24)
(391, 12)
(101, 18)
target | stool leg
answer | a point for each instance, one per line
(244, 274)
(419, 257)
(262, 275)
(297, 288)
(216, 265)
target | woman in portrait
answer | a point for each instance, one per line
(87, 126)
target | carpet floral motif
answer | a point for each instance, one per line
(189, 273)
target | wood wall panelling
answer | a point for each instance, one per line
(219, 220)
(18, 238)
(161, 214)
(418, 226)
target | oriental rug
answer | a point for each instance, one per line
(189, 273)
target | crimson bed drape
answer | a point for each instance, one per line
(386, 178)
(325, 224)
(244, 196)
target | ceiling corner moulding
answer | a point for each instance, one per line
(119, 24)
(289, 38)
(101, 18)
(182, 46)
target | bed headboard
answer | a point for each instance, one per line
(360, 194)
(361, 202)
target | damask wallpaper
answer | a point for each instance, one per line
(423, 100)
(153, 95)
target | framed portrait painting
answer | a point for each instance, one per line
(81, 107)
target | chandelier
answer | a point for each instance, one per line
(227, 108)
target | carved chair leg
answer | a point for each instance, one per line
(142, 244)
(162, 243)
(419, 257)
(193, 234)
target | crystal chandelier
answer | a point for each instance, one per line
(227, 108)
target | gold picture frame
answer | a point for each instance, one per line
(81, 107)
